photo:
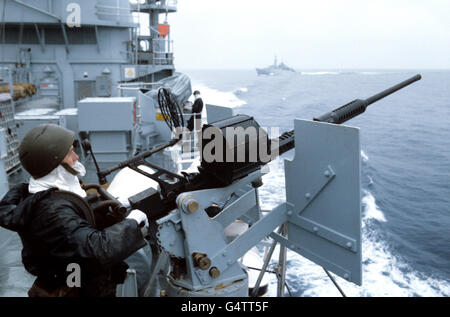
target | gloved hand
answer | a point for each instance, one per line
(141, 219)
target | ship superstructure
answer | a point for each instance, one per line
(274, 69)
(73, 50)
(55, 54)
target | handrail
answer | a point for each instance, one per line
(113, 14)
(37, 9)
(133, 86)
(136, 84)
(152, 28)
(11, 88)
(115, 11)
(160, 4)
(170, 3)
(111, 7)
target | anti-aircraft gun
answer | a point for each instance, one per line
(320, 220)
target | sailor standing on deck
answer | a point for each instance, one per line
(59, 233)
(196, 118)
(197, 108)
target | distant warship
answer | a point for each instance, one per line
(274, 69)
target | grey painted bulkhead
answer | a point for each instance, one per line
(80, 58)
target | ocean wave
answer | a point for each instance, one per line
(388, 269)
(364, 156)
(384, 275)
(219, 98)
(320, 73)
(371, 210)
(343, 73)
(240, 91)
(273, 191)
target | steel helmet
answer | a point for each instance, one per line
(44, 147)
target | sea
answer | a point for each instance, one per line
(405, 169)
(405, 174)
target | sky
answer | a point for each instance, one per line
(311, 34)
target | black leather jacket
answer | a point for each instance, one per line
(197, 108)
(54, 233)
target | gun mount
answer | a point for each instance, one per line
(320, 220)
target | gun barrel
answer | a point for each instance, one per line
(393, 89)
(344, 113)
(358, 106)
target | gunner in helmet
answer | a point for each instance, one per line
(56, 231)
